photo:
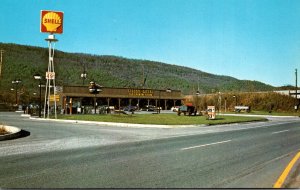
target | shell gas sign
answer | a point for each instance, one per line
(52, 22)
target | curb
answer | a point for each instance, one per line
(132, 125)
(117, 124)
(14, 133)
(150, 125)
(288, 174)
(25, 115)
(250, 115)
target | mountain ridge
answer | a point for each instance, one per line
(23, 61)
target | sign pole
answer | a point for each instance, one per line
(50, 76)
(51, 22)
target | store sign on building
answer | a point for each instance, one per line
(140, 92)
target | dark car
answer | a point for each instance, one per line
(130, 108)
(149, 108)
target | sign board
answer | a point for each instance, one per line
(241, 108)
(211, 112)
(58, 89)
(50, 75)
(52, 98)
(52, 22)
(140, 92)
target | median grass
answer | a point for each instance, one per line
(2, 130)
(162, 119)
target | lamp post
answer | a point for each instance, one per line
(225, 104)
(158, 109)
(83, 75)
(296, 104)
(168, 91)
(39, 77)
(234, 96)
(16, 82)
(220, 103)
(94, 89)
(197, 100)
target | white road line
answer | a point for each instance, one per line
(280, 131)
(203, 145)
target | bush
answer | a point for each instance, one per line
(269, 101)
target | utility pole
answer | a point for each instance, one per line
(296, 105)
(1, 52)
(143, 78)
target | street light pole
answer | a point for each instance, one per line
(234, 96)
(1, 52)
(225, 104)
(83, 75)
(220, 103)
(168, 91)
(94, 89)
(158, 111)
(296, 105)
(16, 82)
(38, 77)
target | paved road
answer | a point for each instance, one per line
(91, 156)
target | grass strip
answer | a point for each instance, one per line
(162, 119)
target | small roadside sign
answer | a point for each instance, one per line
(52, 98)
(50, 75)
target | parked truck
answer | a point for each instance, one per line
(187, 109)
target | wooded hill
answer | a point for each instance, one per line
(22, 62)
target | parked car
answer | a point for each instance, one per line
(149, 108)
(130, 108)
(174, 108)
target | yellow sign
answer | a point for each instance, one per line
(140, 92)
(52, 22)
(52, 98)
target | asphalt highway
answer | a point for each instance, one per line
(72, 155)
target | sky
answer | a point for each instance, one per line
(246, 39)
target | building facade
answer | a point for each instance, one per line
(79, 97)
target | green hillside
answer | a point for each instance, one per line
(22, 62)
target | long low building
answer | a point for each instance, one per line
(79, 96)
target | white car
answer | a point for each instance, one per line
(174, 108)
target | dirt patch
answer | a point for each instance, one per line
(294, 181)
(3, 131)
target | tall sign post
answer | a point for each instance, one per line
(52, 23)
